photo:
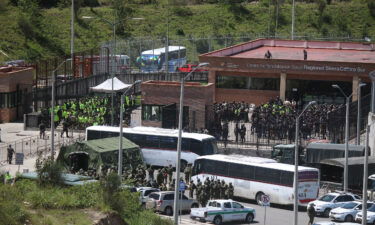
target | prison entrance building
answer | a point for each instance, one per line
(258, 70)
(160, 104)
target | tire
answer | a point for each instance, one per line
(326, 212)
(349, 218)
(217, 220)
(249, 218)
(258, 198)
(168, 211)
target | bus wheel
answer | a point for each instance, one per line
(218, 220)
(183, 165)
(258, 198)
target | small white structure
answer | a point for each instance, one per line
(106, 86)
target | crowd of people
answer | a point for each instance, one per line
(88, 111)
(274, 119)
(163, 179)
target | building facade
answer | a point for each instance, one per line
(15, 83)
(258, 70)
(160, 104)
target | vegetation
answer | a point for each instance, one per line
(40, 29)
(54, 205)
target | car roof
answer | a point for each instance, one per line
(221, 200)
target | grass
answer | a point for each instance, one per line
(59, 217)
(185, 22)
(26, 202)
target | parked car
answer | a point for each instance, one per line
(326, 203)
(145, 192)
(348, 211)
(370, 215)
(218, 211)
(163, 202)
(187, 68)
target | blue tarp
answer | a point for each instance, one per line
(68, 178)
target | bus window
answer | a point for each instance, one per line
(168, 142)
(185, 145)
(93, 134)
(267, 175)
(151, 141)
(196, 147)
(209, 147)
(198, 167)
(287, 178)
(240, 171)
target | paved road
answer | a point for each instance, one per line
(275, 215)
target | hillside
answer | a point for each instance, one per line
(32, 32)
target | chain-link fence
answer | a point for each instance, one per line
(30, 146)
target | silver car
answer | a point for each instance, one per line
(144, 192)
(163, 202)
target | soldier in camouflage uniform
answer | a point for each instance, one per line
(222, 189)
(230, 191)
(187, 173)
(226, 191)
(192, 187)
(159, 177)
(169, 171)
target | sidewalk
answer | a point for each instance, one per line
(28, 143)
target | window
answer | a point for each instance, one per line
(168, 142)
(136, 138)
(342, 198)
(151, 112)
(237, 205)
(10, 99)
(169, 197)
(287, 178)
(267, 175)
(196, 146)
(93, 134)
(151, 141)
(240, 171)
(154, 196)
(227, 205)
(249, 83)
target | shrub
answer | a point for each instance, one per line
(49, 171)
(149, 218)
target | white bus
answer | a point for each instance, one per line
(253, 176)
(154, 60)
(159, 146)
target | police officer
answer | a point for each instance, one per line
(42, 130)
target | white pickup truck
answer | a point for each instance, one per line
(219, 211)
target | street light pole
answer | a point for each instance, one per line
(177, 183)
(365, 177)
(293, 15)
(358, 139)
(296, 158)
(53, 108)
(120, 154)
(347, 98)
(72, 35)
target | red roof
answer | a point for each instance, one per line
(293, 50)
